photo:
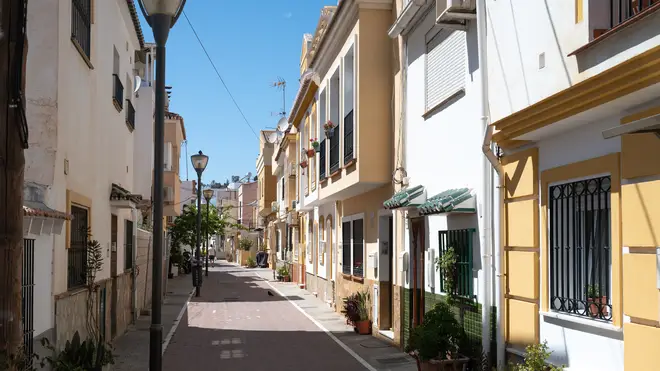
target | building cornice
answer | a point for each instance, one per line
(136, 22)
(176, 116)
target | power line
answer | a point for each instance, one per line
(218, 73)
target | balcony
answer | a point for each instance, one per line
(117, 92)
(130, 115)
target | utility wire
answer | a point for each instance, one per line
(218, 73)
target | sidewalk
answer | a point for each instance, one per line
(132, 348)
(378, 354)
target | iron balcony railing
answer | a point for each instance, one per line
(461, 241)
(322, 161)
(348, 138)
(117, 91)
(622, 10)
(334, 154)
(77, 251)
(81, 24)
(580, 248)
(130, 114)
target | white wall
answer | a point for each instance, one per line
(443, 150)
(43, 314)
(70, 110)
(323, 211)
(520, 31)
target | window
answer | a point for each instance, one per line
(445, 67)
(321, 251)
(461, 241)
(349, 125)
(282, 190)
(579, 243)
(81, 26)
(334, 117)
(353, 246)
(77, 252)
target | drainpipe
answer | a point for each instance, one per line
(134, 309)
(495, 184)
(486, 191)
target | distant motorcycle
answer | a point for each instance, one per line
(187, 262)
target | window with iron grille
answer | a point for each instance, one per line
(580, 247)
(346, 247)
(461, 240)
(322, 161)
(77, 252)
(128, 251)
(334, 154)
(81, 25)
(348, 138)
(27, 294)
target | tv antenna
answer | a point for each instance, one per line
(281, 84)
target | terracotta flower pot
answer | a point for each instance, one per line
(363, 327)
(311, 153)
(593, 306)
(287, 278)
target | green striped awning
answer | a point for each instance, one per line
(405, 198)
(452, 200)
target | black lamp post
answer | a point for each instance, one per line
(208, 195)
(199, 162)
(161, 16)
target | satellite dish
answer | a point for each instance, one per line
(138, 83)
(249, 176)
(272, 137)
(282, 125)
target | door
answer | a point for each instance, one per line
(417, 235)
(385, 272)
(113, 272)
(129, 260)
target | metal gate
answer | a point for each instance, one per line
(27, 293)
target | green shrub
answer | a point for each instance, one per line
(251, 263)
(536, 359)
(245, 244)
(438, 335)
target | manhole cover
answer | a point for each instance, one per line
(394, 360)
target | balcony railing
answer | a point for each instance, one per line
(334, 154)
(81, 25)
(348, 138)
(117, 92)
(322, 161)
(622, 10)
(130, 114)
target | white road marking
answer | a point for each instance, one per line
(320, 326)
(170, 334)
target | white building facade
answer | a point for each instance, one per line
(81, 113)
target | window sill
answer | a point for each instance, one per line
(443, 104)
(82, 53)
(117, 105)
(350, 277)
(336, 173)
(582, 321)
(350, 163)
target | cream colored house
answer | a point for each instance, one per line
(83, 59)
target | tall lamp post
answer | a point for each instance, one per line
(161, 15)
(208, 195)
(199, 162)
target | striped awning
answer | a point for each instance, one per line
(408, 197)
(459, 200)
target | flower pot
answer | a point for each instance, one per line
(458, 362)
(287, 278)
(311, 153)
(363, 327)
(593, 306)
(329, 133)
(303, 165)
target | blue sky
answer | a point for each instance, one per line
(252, 43)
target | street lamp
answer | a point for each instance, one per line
(208, 195)
(199, 162)
(161, 15)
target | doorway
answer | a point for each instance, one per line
(113, 275)
(417, 248)
(385, 273)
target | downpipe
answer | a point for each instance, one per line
(495, 181)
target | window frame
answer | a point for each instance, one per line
(350, 219)
(430, 38)
(87, 58)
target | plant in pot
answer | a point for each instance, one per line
(536, 357)
(435, 342)
(329, 129)
(597, 302)
(251, 262)
(283, 274)
(245, 244)
(303, 164)
(447, 265)
(356, 311)
(316, 146)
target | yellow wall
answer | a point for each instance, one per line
(521, 249)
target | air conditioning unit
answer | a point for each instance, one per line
(453, 13)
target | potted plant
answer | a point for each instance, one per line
(435, 342)
(329, 128)
(251, 263)
(283, 274)
(356, 311)
(536, 357)
(303, 164)
(245, 244)
(597, 302)
(447, 265)
(316, 146)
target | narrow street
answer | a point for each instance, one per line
(236, 325)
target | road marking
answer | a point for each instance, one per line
(327, 332)
(170, 334)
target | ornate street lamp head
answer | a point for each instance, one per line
(208, 195)
(199, 162)
(170, 8)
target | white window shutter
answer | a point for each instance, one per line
(446, 63)
(167, 157)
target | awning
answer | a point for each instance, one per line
(409, 197)
(39, 219)
(121, 198)
(460, 200)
